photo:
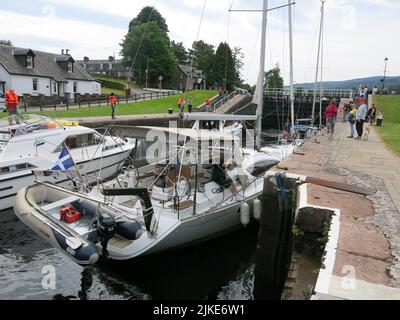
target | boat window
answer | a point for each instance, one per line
(16, 168)
(82, 140)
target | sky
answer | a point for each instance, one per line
(358, 34)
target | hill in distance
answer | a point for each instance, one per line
(391, 83)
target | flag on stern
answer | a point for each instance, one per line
(64, 162)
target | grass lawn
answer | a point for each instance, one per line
(390, 130)
(136, 108)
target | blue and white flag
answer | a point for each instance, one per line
(64, 161)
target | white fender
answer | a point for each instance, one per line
(257, 207)
(245, 214)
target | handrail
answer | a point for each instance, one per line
(228, 98)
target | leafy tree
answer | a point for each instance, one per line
(238, 57)
(6, 42)
(224, 67)
(180, 52)
(154, 47)
(149, 14)
(273, 79)
(202, 57)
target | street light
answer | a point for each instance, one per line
(384, 75)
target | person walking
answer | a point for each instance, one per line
(11, 101)
(372, 115)
(346, 111)
(351, 118)
(112, 99)
(360, 118)
(190, 104)
(181, 104)
(331, 115)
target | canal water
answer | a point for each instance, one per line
(222, 268)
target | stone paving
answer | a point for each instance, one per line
(364, 262)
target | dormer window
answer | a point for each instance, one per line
(70, 67)
(29, 62)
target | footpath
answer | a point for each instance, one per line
(362, 259)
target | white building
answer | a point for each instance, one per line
(36, 72)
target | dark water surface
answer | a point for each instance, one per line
(222, 268)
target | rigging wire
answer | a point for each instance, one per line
(227, 42)
(192, 56)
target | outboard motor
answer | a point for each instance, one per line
(106, 230)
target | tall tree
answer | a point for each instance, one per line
(202, 56)
(238, 57)
(6, 42)
(180, 52)
(273, 79)
(146, 42)
(149, 14)
(224, 72)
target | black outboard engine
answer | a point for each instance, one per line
(106, 230)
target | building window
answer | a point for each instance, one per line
(70, 67)
(55, 87)
(35, 83)
(75, 87)
(29, 62)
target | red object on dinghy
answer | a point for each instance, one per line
(69, 214)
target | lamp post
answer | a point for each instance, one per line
(384, 75)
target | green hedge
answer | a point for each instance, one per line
(112, 84)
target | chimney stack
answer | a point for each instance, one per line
(66, 51)
(62, 51)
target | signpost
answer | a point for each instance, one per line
(160, 78)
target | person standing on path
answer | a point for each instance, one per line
(331, 115)
(360, 118)
(351, 118)
(190, 104)
(112, 99)
(11, 100)
(372, 115)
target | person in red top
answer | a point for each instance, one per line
(112, 99)
(12, 100)
(181, 104)
(330, 115)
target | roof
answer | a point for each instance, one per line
(45, 65)
(103, 65)
(190, 71)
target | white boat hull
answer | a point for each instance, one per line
(100, 168)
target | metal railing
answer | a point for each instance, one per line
(101, 101)
(228, 98)
(328, 93)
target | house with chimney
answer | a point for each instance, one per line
(188, 78)
(110, 67)
(37, 73)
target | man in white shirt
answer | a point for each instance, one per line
(360, 119)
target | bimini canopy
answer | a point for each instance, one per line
(168, 133)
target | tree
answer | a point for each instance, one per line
(238, 57)
(154, 47)
(224, 72)
(149, 14)
(202, 57)
(6, 42)
(273, 79)
(180, 52)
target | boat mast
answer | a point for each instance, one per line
(317, 70)
(291, 64)
(322, 63)
(260, 85)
